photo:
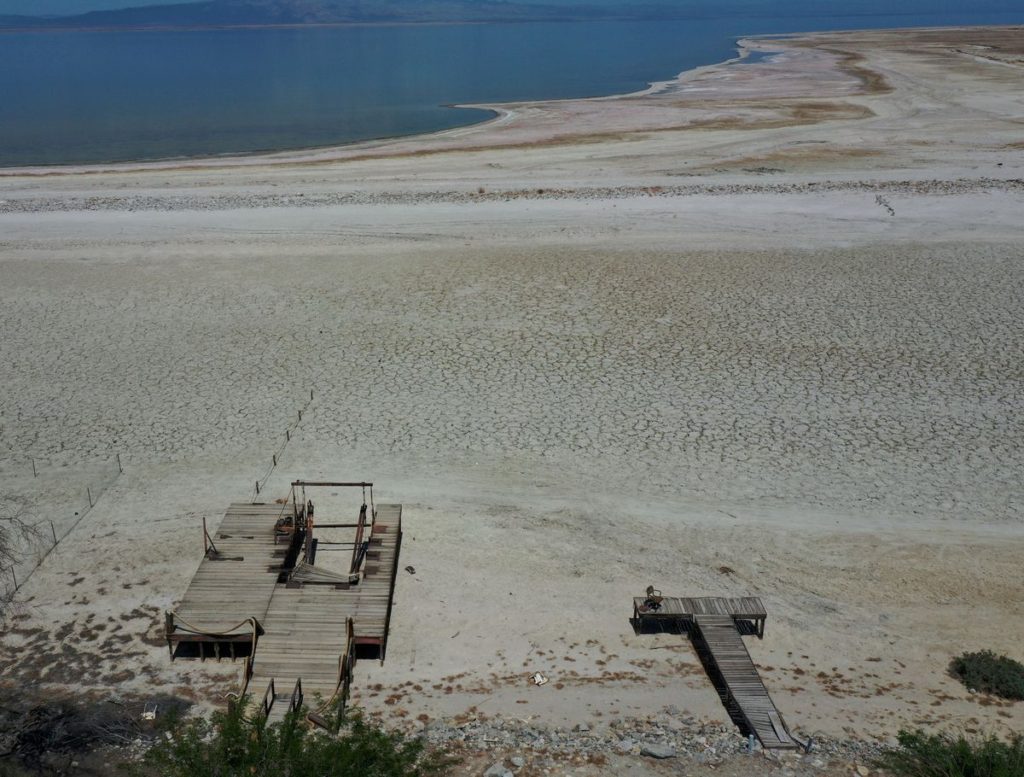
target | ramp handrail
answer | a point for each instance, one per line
(346, 661)
(295, 703)
(268, 699)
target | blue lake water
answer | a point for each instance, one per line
(70, 97)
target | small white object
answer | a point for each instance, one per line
(539, 679)
(149, 712)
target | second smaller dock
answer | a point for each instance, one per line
(714, 625)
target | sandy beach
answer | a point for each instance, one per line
(753, 331)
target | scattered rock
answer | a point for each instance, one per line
(498, 770)
(658, 751)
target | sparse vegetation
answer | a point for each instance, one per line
(16, 532)
(229, 745)
(943, 755)
(986, 672)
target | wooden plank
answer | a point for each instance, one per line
(306, 627)
(729, 654)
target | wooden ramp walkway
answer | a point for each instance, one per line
(307, 639)
(744, 692)
(714, 624)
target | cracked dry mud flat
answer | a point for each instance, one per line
(885, 377)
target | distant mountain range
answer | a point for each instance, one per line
(260, 13)
(235, 13)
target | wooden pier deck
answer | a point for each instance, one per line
(234, 584)
(307, 627)
(714, 626)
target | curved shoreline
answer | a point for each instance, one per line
(503, 113)
(339, 151)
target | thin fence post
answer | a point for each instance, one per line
(287, 435)
(34, 473)
(311, 395)
(257, 488)
(14, 577)
(119, 468)
(300, 415)
(275, 459)
(88, 493)
(54, 533)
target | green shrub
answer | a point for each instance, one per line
(229, 745)
(989, 673)
(942, 755)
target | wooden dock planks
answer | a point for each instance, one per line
(743, 683)
(306, 627)
(715, 621)
(236, 584)
(746, 607)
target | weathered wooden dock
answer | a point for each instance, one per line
(307, 636)
(714, 625)
(229, 593)
(258, 593)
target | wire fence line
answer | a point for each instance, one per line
(45, 534)
(275, 457)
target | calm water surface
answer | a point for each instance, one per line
(106, 96)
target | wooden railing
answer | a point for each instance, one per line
(268, 699)
(246, 674)
(346, 662)
(359, 549)
(208, 541)
(295, 703)
(307, 542)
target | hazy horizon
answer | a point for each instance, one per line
(68, 7)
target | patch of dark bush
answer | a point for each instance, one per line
(986, 672)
